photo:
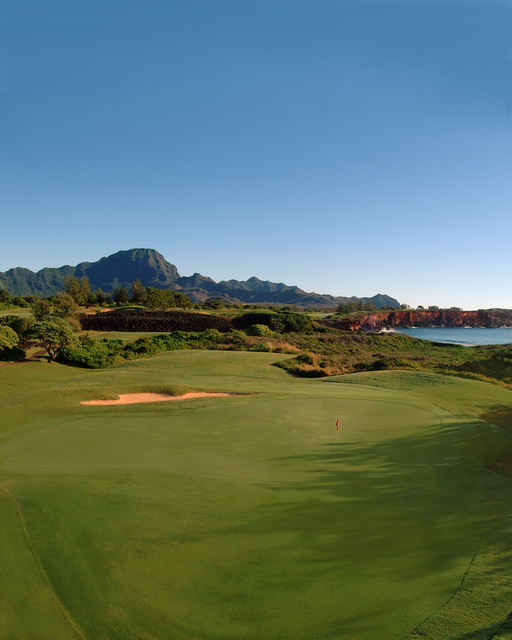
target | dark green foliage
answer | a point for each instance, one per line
(165, 299)
(18, 324)
(281, 321)
(79, 290)
(64, 305)
(354, 306)
(182, 301)
(41, 308)
(213, 303)
(89, 353)
(100, 297)
(104, 353)
(7, 301)
(120, 296)
(138, 292)
(155, 298)
(318, 350)
(53, 334)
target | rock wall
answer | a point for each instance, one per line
(153, 321)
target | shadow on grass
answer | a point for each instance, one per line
(398, 521)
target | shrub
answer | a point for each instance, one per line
(259, 330)
(17, 324)
(213, 335)
(93, 356)
(281, 322)
(8, 337)
(53, 334)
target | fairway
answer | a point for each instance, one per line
(248, 516)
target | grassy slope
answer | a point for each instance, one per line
(236, 517)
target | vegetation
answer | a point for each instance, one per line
(53, 334)
(348, 308)
(239, 517)
(319, 351)
(165, 299)
(7, 301)
(8, 337)
(175, 520)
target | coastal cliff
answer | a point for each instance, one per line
(422, 318)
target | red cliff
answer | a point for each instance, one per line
(419, 318)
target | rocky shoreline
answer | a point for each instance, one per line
(405, 319)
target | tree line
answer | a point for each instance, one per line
(150, 297)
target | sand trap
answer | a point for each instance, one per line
(135, 398)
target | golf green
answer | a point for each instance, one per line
(251, 516)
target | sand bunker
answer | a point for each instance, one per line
(135, 398)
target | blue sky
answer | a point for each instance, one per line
(346, 146)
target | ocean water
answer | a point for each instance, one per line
(467, 337)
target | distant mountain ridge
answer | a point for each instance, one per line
(124, 267)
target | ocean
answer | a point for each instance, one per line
(468, 337)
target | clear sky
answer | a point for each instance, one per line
(349, 147)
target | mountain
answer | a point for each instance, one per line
(124, 267)
(121, 268)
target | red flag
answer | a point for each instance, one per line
(337, 425)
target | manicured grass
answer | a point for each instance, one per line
(239, 518)
(22, 313)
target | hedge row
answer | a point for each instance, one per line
(104, 353)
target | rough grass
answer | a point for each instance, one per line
(238, 517)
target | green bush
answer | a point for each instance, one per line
(17, 324)
(213, 335)
(259, 330)
(90, 354)
(280, 322)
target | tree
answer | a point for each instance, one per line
(52, 334)
(369, 306)
(5, 296)
(120, 295)
(138, 292)
(85, 291)
(100, 297)
(213, 303)
(73, 288)
(181, 300)
(8, 337)
(64, 305)
(155, 298)
(351, 307)
(41, 308)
